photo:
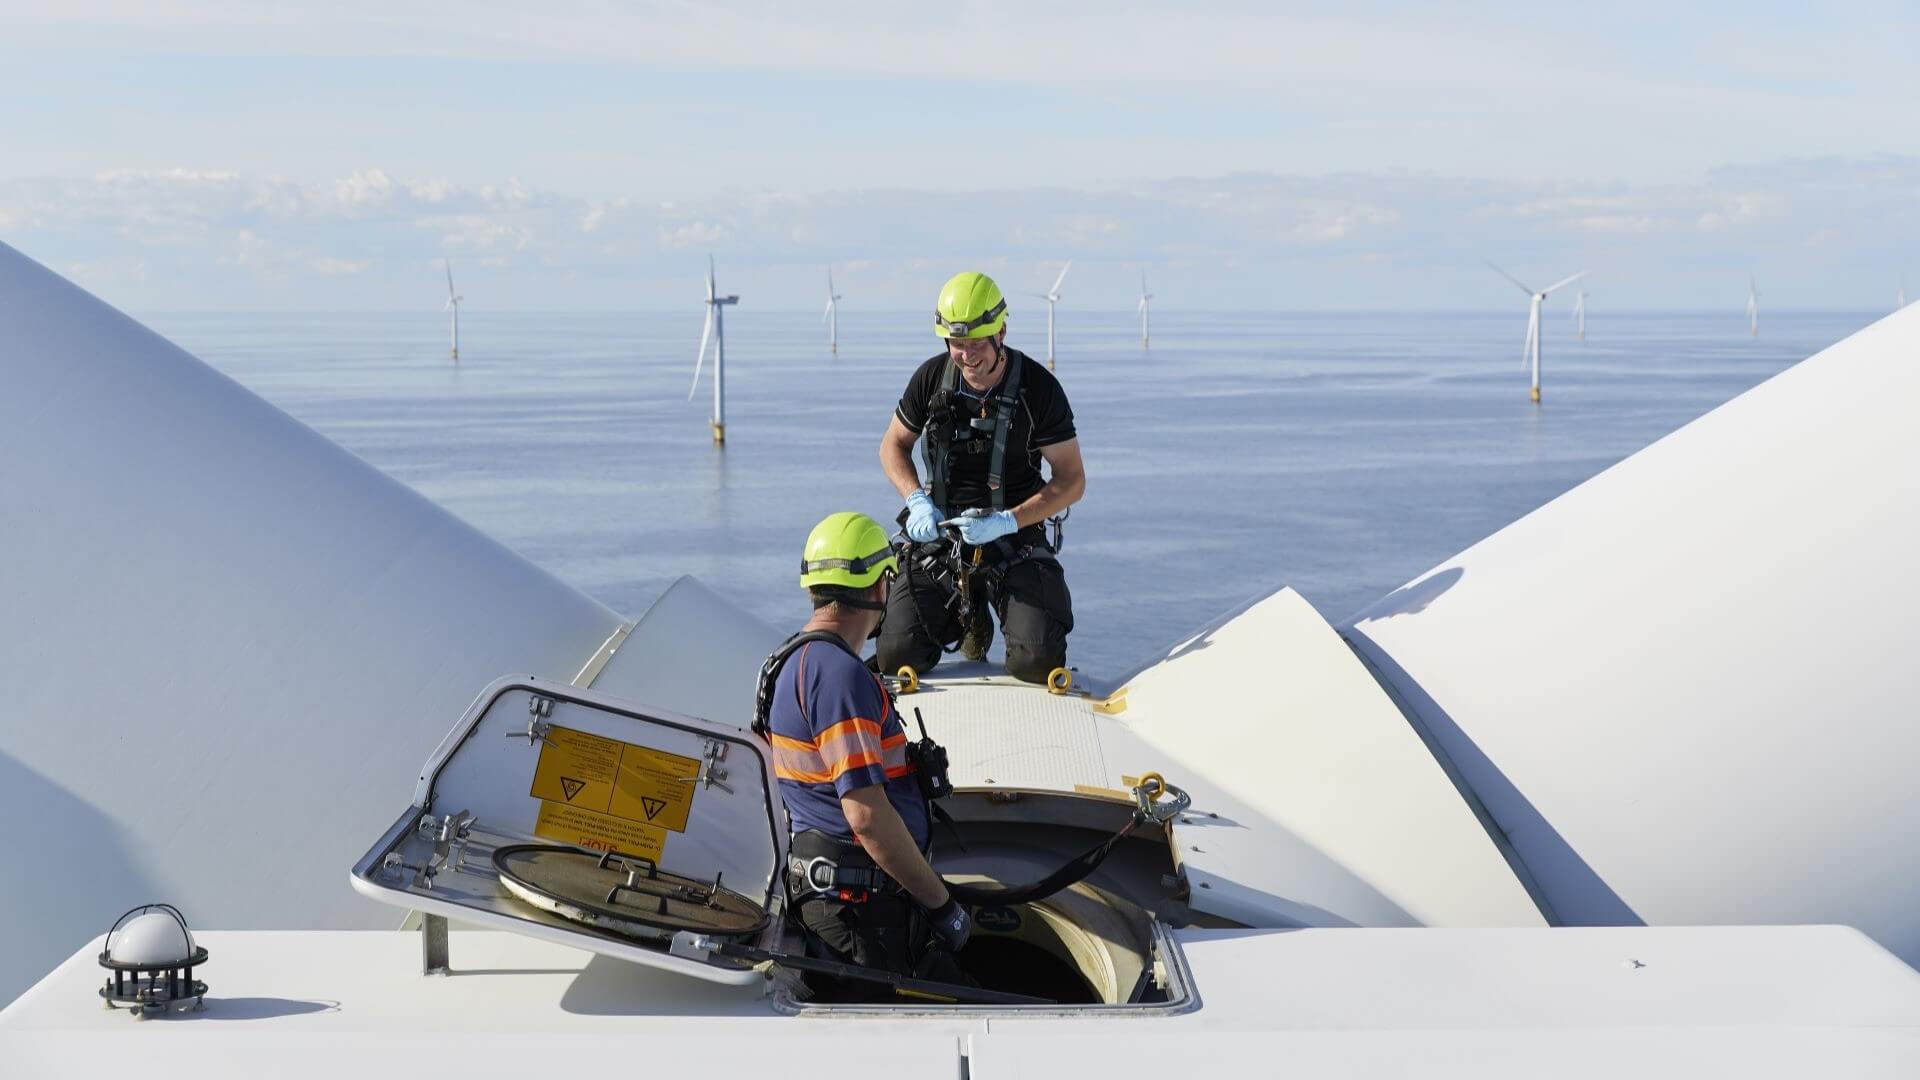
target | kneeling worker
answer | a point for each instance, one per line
(986, 417)
(858, 872)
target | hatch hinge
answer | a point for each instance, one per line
(711, 774)
(538, 710)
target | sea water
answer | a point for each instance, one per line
(1342, 454)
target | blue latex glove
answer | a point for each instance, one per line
(985, 526)
(923, 518)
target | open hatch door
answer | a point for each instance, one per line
(558, 813)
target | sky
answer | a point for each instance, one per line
(591, 156)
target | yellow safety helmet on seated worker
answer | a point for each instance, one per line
(848, 550)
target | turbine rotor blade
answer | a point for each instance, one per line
(1563, 282)
(1055, 291)
(699, 362)
(1521, 284)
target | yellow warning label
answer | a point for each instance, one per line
(600, 832)
(605, 794)
(655, 787)
(577, 769)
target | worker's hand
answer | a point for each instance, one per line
(984, 526)
(951, 925)
(923, 518)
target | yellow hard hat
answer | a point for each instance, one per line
(970, 306)
(847, 549)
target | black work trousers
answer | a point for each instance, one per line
(886, 931)
(1030, 598)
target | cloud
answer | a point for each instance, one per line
(1295, 240)
(333, 267)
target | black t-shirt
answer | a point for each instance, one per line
(1042, 418)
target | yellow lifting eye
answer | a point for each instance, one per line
(909, 679)
(1059, 680)
(1153, 785)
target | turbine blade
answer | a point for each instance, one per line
(449, 277)
(828, 310)
(1055, 291)
(1563, 282)
(711, 291)
(705, 333)
(1517, 282)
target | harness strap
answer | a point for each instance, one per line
(936, 438)
(822, 875)
(936, 447)
(1009, 400)
(770, 673)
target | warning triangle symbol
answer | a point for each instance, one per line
(571, 786)
(652, 806)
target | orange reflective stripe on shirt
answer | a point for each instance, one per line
(848, 745)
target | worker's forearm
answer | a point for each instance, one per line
(897, 462)
(1058, 494)
(891, 847)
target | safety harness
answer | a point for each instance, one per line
(770, 672)
(946, 423)
(821, 864)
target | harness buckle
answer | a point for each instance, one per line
(811, 871)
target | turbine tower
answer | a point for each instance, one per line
(1580, 313)
(1144, 297)
(1753, 307)
(453, 306)
(832, 315)
(1052, 297)
(1532, 352)
(716, 330)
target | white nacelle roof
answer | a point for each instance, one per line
(1684, 690)
(1475, 1004)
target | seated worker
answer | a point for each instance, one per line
(986, 417)
(858, 873)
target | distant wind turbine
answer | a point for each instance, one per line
(1580, 312)
(716, 330)
(453, 305)
(1052, 297)
(1532, 352)
(1753, 307)
(832, 314)
(1903, 294)
(1144, 297)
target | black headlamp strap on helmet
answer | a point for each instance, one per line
(963, 327)
(852, 566)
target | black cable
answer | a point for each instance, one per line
(1071, 874)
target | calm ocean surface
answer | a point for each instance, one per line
(1342, 454)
